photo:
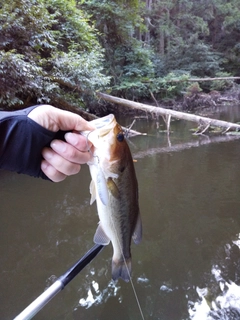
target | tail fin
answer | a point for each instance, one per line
(122, 269)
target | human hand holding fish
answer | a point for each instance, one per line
(62, 158)
(114, 187)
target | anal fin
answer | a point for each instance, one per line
(100, 236)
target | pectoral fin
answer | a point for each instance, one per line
(112, 187)
(98, 185)
(100, 236)
(92, 192)
(102, 187)
(137, 234)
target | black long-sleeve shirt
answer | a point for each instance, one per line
(22, 141)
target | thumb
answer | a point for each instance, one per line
(55, 119)
(66, 120)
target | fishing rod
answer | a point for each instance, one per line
(59, 284)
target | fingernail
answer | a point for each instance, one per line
(71, 138)
(44, 165)
(58, 146)
(47, 154)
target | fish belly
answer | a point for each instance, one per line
(115, 224)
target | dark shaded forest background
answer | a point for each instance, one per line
(62, 52)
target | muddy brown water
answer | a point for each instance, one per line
(187, 262)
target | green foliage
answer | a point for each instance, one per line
(170, 86)
(196, 58)
(116, 20)
(132, 90)
(48, 48)
(66, 48)
(199, 37)
(172, 36)
(193, 89)
(126, 59)
(79, 73)
(82, 70)
(20, 80)
(72, 27)
(135, 73)
(232, 59)
(220, 85)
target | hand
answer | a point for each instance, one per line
(62, 159)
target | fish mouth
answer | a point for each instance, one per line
(104, 121)
(104, 125)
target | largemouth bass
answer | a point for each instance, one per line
(114, 187)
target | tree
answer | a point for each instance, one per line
(225, 31)
(48, 48)
(56, 50)
(127, 59)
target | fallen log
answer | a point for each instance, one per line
(198, 79)
(205, 79)
(203, 122)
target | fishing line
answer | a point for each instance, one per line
(125, 262)
(89, 149)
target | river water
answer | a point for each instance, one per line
(188, 264)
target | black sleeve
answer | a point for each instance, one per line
(22, 141)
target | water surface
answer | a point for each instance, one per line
(187, 266)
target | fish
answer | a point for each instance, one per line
(114, 186)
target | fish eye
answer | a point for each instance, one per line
(120, 136)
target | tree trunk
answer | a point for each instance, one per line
(206, 79)
(204, 122)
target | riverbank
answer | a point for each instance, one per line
(194, 102)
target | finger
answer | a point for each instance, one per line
(69, 152)
(78, 141)
(51, 172)
(59, 163)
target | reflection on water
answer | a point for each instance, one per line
(188, 264)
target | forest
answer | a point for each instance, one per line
(62, 52)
